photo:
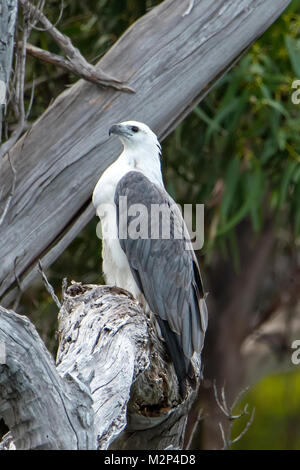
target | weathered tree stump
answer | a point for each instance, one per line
(113, 385)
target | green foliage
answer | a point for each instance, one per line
(245, 135)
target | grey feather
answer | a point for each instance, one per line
(166, 273)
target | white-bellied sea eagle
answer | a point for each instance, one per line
(160, 271)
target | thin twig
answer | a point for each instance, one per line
(31, 100)
(225, 442)
(250, 421)
(91, 75)
(228, 412)
(239, 397)
(224, 410)
(241, 414)
(34, 16)
(226, 407)
(62, 6)
(48, 285)
(195, 427)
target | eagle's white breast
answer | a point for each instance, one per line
(116, 268)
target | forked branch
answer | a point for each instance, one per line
(74, 61)
(228, 412)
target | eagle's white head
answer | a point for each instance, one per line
(136, 135)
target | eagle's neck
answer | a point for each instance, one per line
(146, 160)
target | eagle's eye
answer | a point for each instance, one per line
(134, 128)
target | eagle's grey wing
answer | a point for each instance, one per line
(165, 271)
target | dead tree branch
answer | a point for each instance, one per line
(74, 61)
(88, 73)
(48, 286)
(113, 384)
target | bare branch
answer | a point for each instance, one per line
(224, 438)
(48, 285)
(76, 62)
(250, 421)
(239, 397)
(31, 100)
(228, 412)
(62, 6)
(89, 74)
(223, 408)
(194, 430)
(226, 407)
(34, 16)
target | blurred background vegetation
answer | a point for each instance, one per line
(238, 152)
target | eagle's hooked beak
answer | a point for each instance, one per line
(113, 129)
(119, 129)
(116, 129)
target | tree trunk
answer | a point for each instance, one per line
(172, 60)
(113, 384)
(8, 14)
